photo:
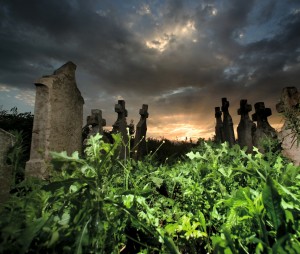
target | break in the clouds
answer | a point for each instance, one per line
(180, 57)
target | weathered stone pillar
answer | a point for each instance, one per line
(289, 105)
(227, 123)
(246, 127)
(140, 134)
(57, 121)
(121, 126)
(219, 131)
(7, 141)
(263, 129)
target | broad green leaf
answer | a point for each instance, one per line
(171, 228)
(54, 238)
(170, 245)
(193, 155)
(272, 203)
(64, 219)
(128, 200)
(157, 181)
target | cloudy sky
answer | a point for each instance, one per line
(179, 57)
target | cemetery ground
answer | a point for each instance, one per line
(212, 198)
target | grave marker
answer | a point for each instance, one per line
(227, 123)
(57, 121)
(246, 127)
(263, 128)
(96, 121)
(140, 135)
(289, 103)
(219, 126)
(121, 126)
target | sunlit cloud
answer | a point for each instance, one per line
(295, 11)
(118, 97)
(173, 34)
(144, 10)
(4, 88)
(214, 11)
(178, 91)
(161, 43)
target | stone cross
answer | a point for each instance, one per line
(57, 123)
(263, 129)
(96, 121)
(246, 127)
(289, 104)
(121, 126)
(7, 141)
(140, 135)
(219, 126)
(227, 123)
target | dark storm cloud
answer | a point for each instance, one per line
(180, 56)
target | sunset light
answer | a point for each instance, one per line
(178, 57)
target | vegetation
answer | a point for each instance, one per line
(20, 125)
(219, 199)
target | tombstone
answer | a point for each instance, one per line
(96, 121)
(289, 104)
(219, 126)
(263, 129)
(227, 123)
(121, 126)
(246, 127)
(57, 121)
(140, 135)
(131, 128)
(94, 125)
(7, 141)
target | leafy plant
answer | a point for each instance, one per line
(220, 199)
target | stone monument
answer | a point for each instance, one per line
(139, 148)
(7, 141)
(96, 121)
(121, 126)
(94, 125)
(227, 123)
(246, 127)
(289, 105)
(219, 126)
(263, 129)
(57, 118)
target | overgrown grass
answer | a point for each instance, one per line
(218, 200)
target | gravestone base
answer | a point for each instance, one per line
(289, 149)
(36, 168)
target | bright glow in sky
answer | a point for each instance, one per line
(179, 57)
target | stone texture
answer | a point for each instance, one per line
(96, 121)
(94, 125)
(263, 129)
(57, 118)
(246, 127)
(219, 132)
(227, 123)
(289, 103)
(140, 135)
(120, 126)
(7, 141)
